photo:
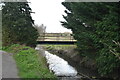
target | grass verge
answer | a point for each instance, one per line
(29, 62)
(59, 47)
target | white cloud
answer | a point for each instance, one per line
(49, 13)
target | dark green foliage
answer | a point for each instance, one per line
(18, 24)
(108, 35)
(96, 28)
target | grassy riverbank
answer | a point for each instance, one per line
(59, 47)
(29, 62)
(68, 48)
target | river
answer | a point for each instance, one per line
(61, 67)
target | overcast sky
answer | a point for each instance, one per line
(49, 13)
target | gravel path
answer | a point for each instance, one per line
(9, 69)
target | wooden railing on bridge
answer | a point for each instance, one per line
(56, 38)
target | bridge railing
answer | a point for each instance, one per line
(55, 37)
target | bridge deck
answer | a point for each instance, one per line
(56, 42)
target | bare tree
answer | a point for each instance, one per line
(40, 29)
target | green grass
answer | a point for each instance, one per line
(29, 62)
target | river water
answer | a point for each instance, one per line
(59, 66)
(64, 68)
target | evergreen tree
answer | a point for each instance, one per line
(96, 28)
(18, 24)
